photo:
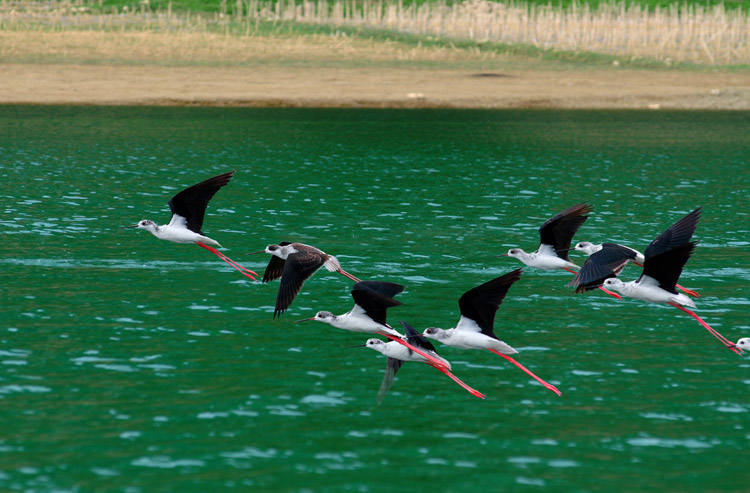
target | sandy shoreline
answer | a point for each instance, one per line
(370, 87)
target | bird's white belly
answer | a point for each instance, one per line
(549, 262)
(184, 235)
(363, 325)
(477, 340)
(403, 353)
(654, 294)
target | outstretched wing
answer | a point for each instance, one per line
(666, 267)
(297, 270)
(480, 303)
(558, 231)
(191, 203)
(676, 235)
(391, 368)
(387, 289)
(599, 266)
(375, 297)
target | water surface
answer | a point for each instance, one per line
(127, 363)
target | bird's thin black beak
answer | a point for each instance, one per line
(304, 320)
(255, 253)
(359, 345)
(503, 255)
(126, 227)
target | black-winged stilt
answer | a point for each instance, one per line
(608, 260)
(475, 328)
(555, 236)
(664, 260)
(188, 210)
(295, 263)
(371, 300)
(398, 353)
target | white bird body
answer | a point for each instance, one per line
(176, 231)
(400, 352)
(355, 320)
(647, 289)
(468, 335)
(544, 258)
(555, 236)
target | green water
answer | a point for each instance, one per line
(132, 364)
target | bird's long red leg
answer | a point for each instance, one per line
(614, 295)
(713, 331)
(433, 361)
(519, 365)
(690, 292)
(346, 274)
(453, 377)
(245, 272)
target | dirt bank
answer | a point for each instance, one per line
(154, 69)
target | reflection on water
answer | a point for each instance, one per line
(130, 363)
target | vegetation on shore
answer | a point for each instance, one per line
(631, 32)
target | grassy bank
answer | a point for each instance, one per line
(636, 33)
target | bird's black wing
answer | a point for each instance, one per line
(274, 269)
(391, 368)
(676, 235)
(666, 267)
(416, 339)
(388, 289)
(297, 269)
(375, 302)
(559, 230)
(480, 303)
(191, 203)
(607, 262)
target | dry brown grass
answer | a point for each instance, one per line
(182, 48)
(700, 35)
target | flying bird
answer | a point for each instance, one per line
(188, 210)
(475, 328)
(555, 237)
(664, 260)
(371, 300)
(608, 260)
(398, 353)
(295, 263)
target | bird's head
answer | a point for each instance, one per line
(272, 249)
(613, 283)
(375, 344)
(744, 344)
(434, 333)
(146, 224)
(326, 317)
(585, 246)
(514, 252)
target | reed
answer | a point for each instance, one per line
(679, 33)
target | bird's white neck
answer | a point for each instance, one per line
(283, 251)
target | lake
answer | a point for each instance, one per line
(133, 364)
